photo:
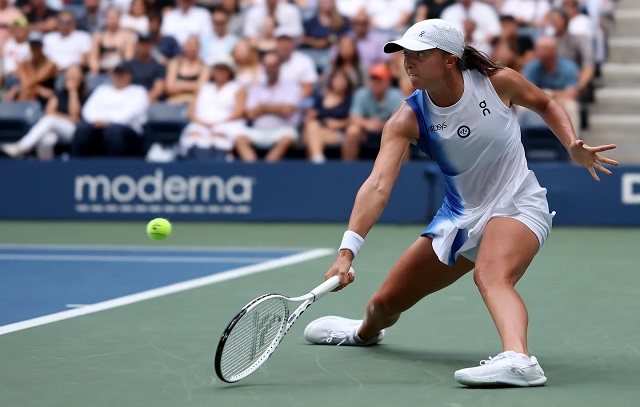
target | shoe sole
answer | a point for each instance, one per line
(467, 380)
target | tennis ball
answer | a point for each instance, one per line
(159, 229)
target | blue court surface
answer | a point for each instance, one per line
(43, 280)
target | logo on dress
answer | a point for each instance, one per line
(464, 131)
(483, 106)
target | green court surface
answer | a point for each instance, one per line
(582, 291)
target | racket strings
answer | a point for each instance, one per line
(252, 335)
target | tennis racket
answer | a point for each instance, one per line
(255, 333)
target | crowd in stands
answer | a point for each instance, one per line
(257, 79)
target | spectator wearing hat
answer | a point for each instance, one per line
(285, 15)
(372, 106)
(36, 75)
(220, 42)
(113, 117)
(62, 113)
(8, 14)
(15, 51)
(186, 20)
(216, 114)
(295, 66)
(111, 46)
(185, 73)
(272, 108)
(67, 46)
(146, 71)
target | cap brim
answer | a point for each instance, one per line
(406, 43)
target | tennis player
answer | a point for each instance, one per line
(495, 215)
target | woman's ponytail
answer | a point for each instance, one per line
(474, 59)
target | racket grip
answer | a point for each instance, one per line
(328, 286)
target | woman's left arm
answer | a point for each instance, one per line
(513, 88)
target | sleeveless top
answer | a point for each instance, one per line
(215, 104)
(476, 144)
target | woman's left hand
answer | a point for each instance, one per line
(589, 158)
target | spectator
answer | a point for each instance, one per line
(347, 60)
(67, 46)
(185, 74)
(431, 8)
(265, 41)
(136, 20)
(327, 121)
(248, 72)
(41, 17)
(111, 46)
(159, 7)
(272, 107)
(235, 25)
(294, 65)
(390, 16)
(527, 13)
(521, 45)
(186, 20)
(8, 14)
(286, 15)
(62, 113)
(579, 24)
(15, 51)
(371, 108)
(477, 20)
(166, 47)
(368, 42)
(145, 70)
(557, 76)
(324, 29)
(91, 18)
(220, 42)
(350, 8)
(577, 48)
(36, 75)
(216, 114)
(113, 117)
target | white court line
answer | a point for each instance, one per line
(166, 290)
(133, 259)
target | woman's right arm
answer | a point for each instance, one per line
(375, 191)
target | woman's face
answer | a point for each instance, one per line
(340, 82)
(138, 8)
(425, 68)
(112, 19)
(242, 52)
(191, 48)
(346, 48)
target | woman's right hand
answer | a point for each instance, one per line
(341, 268)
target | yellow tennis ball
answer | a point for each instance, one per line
(159, 229)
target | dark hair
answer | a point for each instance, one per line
(474, 59)
(562, 14)
(340, 71)
(340, 60)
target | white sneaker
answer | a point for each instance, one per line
(12, 150)
(337, 331)
(507, 368)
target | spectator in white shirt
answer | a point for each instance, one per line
(15, 51)
(294, 65)
(185, 21)
(479, 20)
(113, 117)
(579, 24)
(526, 12)
(216, 114)
(390, 15)
(350, 8)
(136, 19)
(286, 15)
(218, 43)
(67, 46)
(272, 107)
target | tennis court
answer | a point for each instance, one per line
(157, 349)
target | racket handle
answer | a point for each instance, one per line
(328, 286)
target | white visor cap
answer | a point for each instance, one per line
(429, 34)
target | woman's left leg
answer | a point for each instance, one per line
(507, 248)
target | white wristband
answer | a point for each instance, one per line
(352, 241)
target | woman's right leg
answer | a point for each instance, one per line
(42, 127)
(415, 275)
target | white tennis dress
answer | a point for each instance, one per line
(477, 145)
